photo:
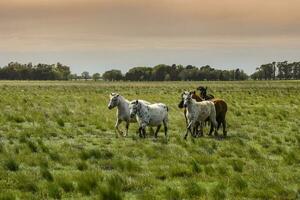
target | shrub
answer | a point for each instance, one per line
(172, 194)
(26, 183)
(11, 165)
(4, 195)
(239, 182)
(96, 154)
(237, 165)
(180, 171)
(66, 184)
(112, 189)
(60, 122)
(196, 166)
(46, 174)
(55, 156)
(32, 146)
(87, 182)
(219, 191)
(54, 191)
(193, 189)
(82, 166)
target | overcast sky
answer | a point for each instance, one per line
(97, 35)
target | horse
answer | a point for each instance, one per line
(123, 113)
(194, 96)
(198, 112)
(203, 93)
(149, 115)
(221, 110)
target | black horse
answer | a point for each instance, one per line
(203, 93)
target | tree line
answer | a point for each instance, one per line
(18, 71)
(271, 71)
(277, 70)
(175, 73)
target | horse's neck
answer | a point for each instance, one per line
(197, 98)
(191, 105)
(123, 103)
(143, 109)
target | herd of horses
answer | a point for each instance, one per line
(198, 109)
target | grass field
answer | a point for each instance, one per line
(57, 140)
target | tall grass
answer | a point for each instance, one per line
(57, 142)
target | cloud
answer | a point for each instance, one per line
(154, 18)
(175, 28)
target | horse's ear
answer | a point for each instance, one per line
(117, 95)
(136, 101)
(193, 92)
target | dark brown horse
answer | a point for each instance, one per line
(203, 93)
(221, 110)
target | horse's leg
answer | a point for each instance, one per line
(219, 123)
(214, 122)
(166, 128)
(211, 129)
(201, 128)
(140, 132)
(186, 120)
(118, 122)
(195, 130)
(144, 132)
(157, 129)
(194, 134)
(224, 127)
(188, 128)
(127, 127)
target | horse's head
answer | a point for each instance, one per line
(113, 100)
(202, 91)
(133, 107)
(180, 105)
(187, 97)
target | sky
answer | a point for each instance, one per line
(98, 35)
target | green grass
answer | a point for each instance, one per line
(57, 141)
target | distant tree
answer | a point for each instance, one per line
(274, 70)
(73, 77)
(112, 75)
(296, 70)
(288, 71)
(63, 70)
(280, 67)
(96, 76)
(139, 74)
(85, 75)
(159, 72)
(167, 77)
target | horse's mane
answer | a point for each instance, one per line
(196, 97)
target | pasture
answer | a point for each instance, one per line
(57, 140)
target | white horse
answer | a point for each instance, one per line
(198, 112)
(149, 115)
(123, 114)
